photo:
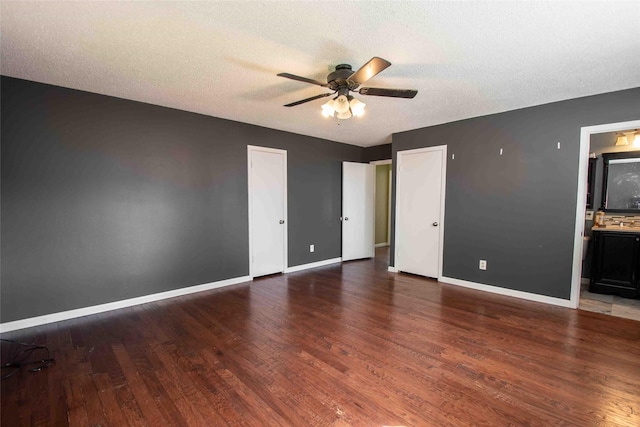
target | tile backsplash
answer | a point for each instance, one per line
(615, 219)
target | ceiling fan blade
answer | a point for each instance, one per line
(302, 101)
(394, 93)
(302, 79)
(368, 70)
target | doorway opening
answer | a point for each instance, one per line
(384, 171)
(583, 214)
(358, 204)
(597, 141)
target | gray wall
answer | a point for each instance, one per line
(517, 210)
(105, 199)
(377, 152)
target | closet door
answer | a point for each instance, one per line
(268, 210)
(419, 211)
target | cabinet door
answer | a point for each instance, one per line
(615, 263)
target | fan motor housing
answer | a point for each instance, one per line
(339, 78)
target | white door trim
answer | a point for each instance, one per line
(399, 154)
(250, 149)
(585, 136)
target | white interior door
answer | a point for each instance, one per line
(267, 210)
(358, 207)
(420, 211)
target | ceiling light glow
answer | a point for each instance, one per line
(346, 106)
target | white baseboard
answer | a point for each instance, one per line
(101, 308)
(392, 269)
(380, 245)
(312, 265)
(508, 292)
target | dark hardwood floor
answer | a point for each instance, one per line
(348, 344)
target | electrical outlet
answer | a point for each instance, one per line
(483, 264)
(312, 248)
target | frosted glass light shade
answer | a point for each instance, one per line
(636, 140)
(327, 109)
(345, 115)
(357, 107)
(622, 140)
(341, 104)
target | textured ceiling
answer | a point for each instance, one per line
(466, 59)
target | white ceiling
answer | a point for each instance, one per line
(466, 59)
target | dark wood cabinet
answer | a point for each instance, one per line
(616, 264)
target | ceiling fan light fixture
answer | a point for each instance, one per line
(357, 107)
(327, 109)
(636, 139)
(345, 115)
(342, 81)
(341, 104)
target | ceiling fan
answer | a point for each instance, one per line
(342, 81)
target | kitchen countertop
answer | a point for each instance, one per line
(617, 228)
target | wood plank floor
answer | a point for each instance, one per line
(343, 345)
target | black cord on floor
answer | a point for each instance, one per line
(33, 354)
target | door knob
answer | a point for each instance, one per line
(346, 218)
(435, 224)
(282, 221)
